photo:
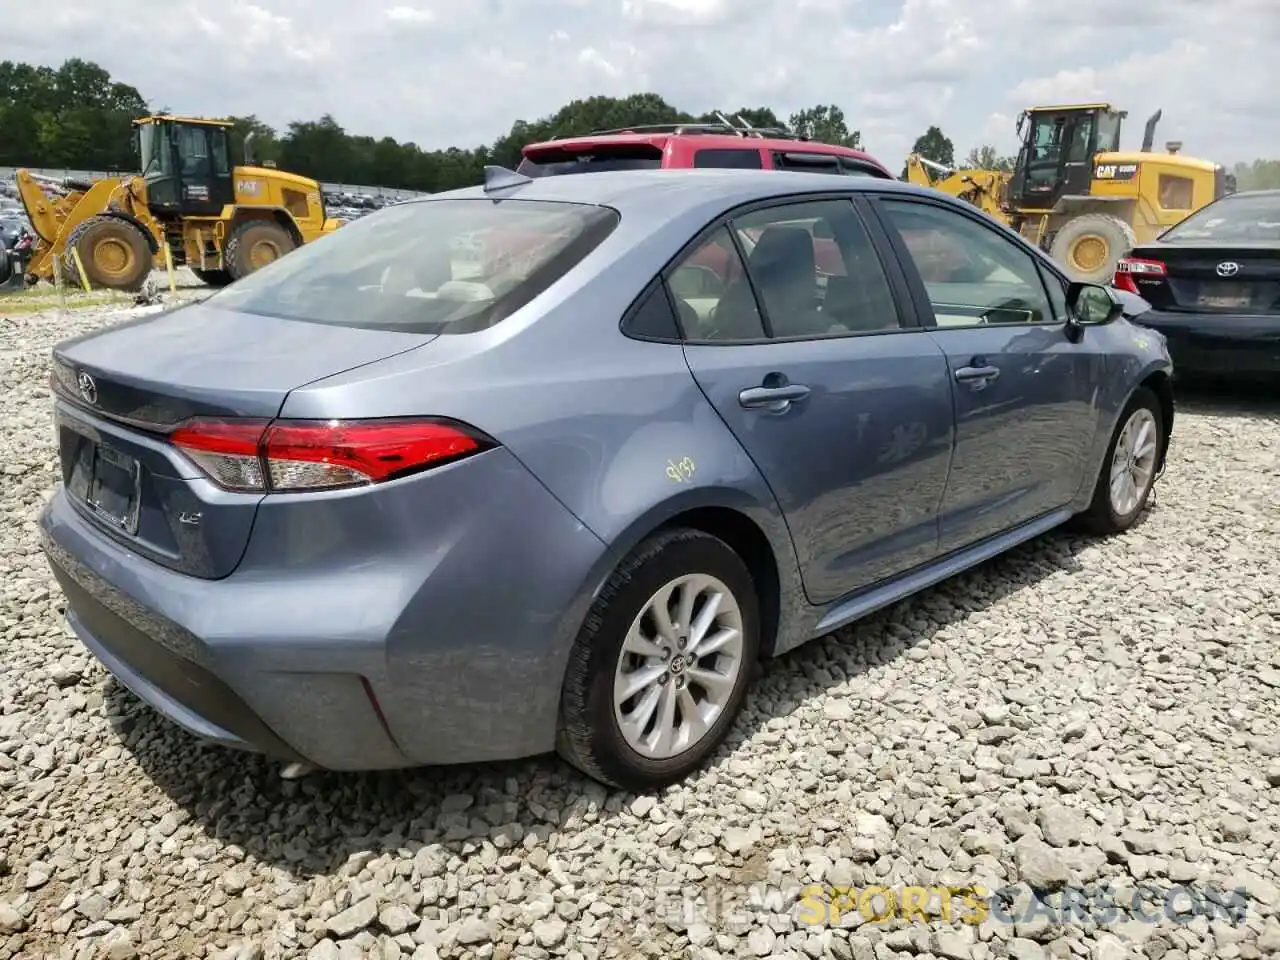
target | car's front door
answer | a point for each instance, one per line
(1024, 391)
(842, 402)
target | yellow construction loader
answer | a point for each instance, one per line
(1075, 194)
(223, 222)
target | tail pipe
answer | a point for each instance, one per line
(1149, 135)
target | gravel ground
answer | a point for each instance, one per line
(1076, 713)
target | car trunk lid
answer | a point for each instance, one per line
(1224, 278)
(122, 391)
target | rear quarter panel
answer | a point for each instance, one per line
(616, 429)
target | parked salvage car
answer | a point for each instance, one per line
(364, 511)
(1213, 282)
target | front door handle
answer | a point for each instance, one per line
(980, 374)
(776, 399)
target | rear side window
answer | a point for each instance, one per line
(433, 266)
(554, 163)
(731, 159)
(853, 167)
(808, 162)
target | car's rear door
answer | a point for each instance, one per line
(843, 403)
(1025, 416)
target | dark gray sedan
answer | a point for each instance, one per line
(549, 464)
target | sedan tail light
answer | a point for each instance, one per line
(1129, 267)
(288, 456)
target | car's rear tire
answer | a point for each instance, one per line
(623, 647)
(1129, 468)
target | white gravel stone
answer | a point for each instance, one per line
(1078, 711)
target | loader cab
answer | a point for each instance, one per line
(1058, 146)
(186, 164)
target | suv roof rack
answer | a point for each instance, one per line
(725, 127)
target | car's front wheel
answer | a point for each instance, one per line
(660, 669)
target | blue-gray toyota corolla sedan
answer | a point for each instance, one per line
(549, 465)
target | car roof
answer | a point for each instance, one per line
(632, 188)
(1269, 192)
(713, 140)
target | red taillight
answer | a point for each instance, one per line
(1129, 267)
(295, 455)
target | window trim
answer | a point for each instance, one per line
(909, 318)
(920, 293)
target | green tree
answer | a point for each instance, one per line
(265, 146)
(74, 116)
(1259, 175)
(934, 145)
(985, 157)
(826, 124)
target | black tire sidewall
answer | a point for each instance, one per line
(122, 229)
(1118, 239)
(677, 555)
(240, 246)
(1142, 398)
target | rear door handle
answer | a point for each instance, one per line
(772, 398)
(971, 374)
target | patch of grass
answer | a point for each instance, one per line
(37, 301)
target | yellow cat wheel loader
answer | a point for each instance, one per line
(223, 222)
(1075, 194)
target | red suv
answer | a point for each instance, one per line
(681, 146)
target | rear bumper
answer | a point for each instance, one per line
(439, 634)
(1219, 344)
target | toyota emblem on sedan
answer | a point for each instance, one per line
(1228, 268)
(88, 389)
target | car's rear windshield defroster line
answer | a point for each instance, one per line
(432, 266)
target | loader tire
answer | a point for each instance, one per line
(255, 244)
(212, 278)
(115, 254)
(1089, 246)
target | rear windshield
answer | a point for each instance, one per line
(1237, 219)
(553, 163)
(432, 266)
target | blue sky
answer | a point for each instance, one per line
(459, 72)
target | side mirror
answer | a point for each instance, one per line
(1092, 304)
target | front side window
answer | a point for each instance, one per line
(430, 266)
(973, 276)
(154, 152)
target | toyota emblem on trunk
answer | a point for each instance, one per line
(88, 389)
(1228, 268)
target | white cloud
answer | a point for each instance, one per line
(894, 66)
(410, 15)
(676, 12)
